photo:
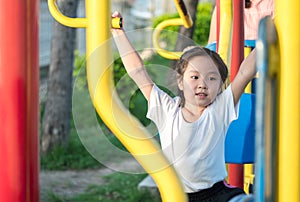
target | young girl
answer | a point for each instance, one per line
(193, 126)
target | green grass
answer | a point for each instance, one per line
(74, 156)
(54, 198)
(118, 187)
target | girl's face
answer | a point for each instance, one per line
(201, 82)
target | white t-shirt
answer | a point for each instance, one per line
(195, 149)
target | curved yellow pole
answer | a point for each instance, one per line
(164, 53)
(101, 87)
(67, 21)
(185, 20)
(287, 14)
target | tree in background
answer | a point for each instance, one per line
(191, 6)
(181, 43)
(56, 119)
(198, 33)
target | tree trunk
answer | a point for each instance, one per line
(56, 120)
(185, 35)
(191, 6)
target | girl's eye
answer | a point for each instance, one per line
(212, 78)
(194, 77)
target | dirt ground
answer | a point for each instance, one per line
(70, 183)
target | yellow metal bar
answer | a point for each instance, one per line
(67, 21)
(225, 31)
(127, 129)
(248, 168)
(248, 177)
(247, 51)
(155, 36)
(187, 21)
(286, 18)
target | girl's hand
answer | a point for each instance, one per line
(117, 24)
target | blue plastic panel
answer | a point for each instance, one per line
(240, 139)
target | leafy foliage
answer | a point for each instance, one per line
(202, 26)
(203, 23)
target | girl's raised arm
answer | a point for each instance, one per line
(131, 60)
(245, 74)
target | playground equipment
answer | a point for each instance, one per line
(232, 21)
(224, 39)
(266, 110)
(288, 175)
(19, 103)
(19, 76)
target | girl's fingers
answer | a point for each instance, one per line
(116, 14)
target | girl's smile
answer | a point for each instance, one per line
(201, 95)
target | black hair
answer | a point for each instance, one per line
(199, 51)
(247, 3)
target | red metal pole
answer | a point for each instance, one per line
(236, 171)
(19, 84)
(237, 37)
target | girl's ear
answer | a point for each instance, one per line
(179, 82)
(220, 90)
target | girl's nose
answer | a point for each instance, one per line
(202, 83)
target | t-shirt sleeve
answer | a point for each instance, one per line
(225, 108)
(160, 106)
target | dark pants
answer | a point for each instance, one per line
(219, 192)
